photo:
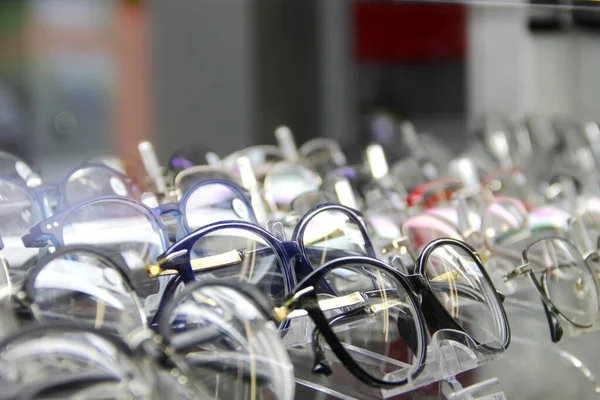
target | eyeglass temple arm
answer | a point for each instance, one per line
(523, 270)
(209, 334)
(231, 367)
(233, 257)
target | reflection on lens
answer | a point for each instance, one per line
(220, 331)
(566, 278)
(460, 286)
(86, 289)
(18, 211)
(286, 181)
(215, 202)
(111, 161)
(44, 357)
(243, 255)
(373, 317)
(331, 234)
(421, 230)
(90, 182)
(121, 227)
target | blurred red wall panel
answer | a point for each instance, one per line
(392, 31)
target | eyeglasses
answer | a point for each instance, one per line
(99, 220)
(187, 178)
(365, 307)
(285, 181)
(323, 154)
(16, 168)
(121, 163)
(430, 194)
(507, 227)
(57, 359)
(85, 182)
(21, 206)
(135, 230)
(418, 231)
(564, 281)
(83, 285)
(261, 157)
(249, 253)
(511, 182)
(227, 327)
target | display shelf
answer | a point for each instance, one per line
(488, 389)
(448, 354)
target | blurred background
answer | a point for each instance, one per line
(84, 77)
(80, 77)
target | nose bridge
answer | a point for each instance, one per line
(296, 259)
(416, 284)
(167, 208)
(292, 249)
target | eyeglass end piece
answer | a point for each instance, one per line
(321, 367)
(281, 313)
(153, 270)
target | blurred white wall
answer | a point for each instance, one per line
(516, 72)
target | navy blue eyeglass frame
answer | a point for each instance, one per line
(177, 257)
(37, 195)
(50, 230)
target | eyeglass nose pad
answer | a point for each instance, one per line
(321, 366)
(396, 262)
(556, 330)
(276, 229)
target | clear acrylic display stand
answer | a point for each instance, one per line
(446, 358)
(531, 306)
(570, 360)
(488, 389)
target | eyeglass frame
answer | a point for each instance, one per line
(177, 257)
(429, 310)
(38, 194)
(552, 312)
(50, 229)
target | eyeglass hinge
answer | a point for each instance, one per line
(282, 312)
(520, 270)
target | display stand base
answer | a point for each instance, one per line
(445, 359)
(488, 389)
